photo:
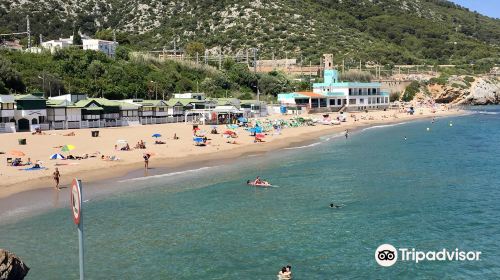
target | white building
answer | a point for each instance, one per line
(54, 45)
(30, 113)
(190, 95)
(107, 47)
(7, 122)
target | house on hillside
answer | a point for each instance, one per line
(30, 112)
(107, 47)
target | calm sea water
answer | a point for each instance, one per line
(437, 189)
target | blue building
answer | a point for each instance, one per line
(333, 94)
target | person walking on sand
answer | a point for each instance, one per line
(146, 161)
(56, 175)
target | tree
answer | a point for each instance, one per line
(194, 48)
(77, 39)
(122, 53)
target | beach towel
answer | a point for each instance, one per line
(33, 169)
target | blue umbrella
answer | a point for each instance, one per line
(156, 135)
(198, 139)
(56, 156)
(242, 119)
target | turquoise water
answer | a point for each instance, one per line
(438, 189)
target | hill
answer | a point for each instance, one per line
(385, 31)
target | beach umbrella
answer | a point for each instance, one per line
(121, 142)
(242, 119)
(156, 135)
(67, 148)
(260, 135)
(198, 139)
(17, 153)
(56, 156)
(229, 132)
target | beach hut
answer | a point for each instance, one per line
(99, 112)
(63, 114)
(30, 112)
(153, 111)
(129, 113)
(253, 108)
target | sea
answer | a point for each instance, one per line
(425, 185)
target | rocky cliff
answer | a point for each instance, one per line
(11, 267)
(462, 91)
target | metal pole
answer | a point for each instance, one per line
(80, 234)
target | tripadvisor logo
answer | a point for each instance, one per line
(388, 255)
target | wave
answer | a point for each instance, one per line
(383, 125)
(487, 112)
(303, 147)
(166, 174)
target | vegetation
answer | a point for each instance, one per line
(383, 31)
(395, 96)
(78, 71)
(355, 76)
(411, 90)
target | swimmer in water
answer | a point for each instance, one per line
(405, 137)
(335, 206)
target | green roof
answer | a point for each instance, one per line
(249, 102)
(93, 108)
(27, 97)
(153, 103)
(101, 101)
(184, 101)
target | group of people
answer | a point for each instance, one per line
(285, 273)
(140, 145)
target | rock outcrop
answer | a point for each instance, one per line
(483, 91)
(11, 267)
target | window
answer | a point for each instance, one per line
(322, 102)
(361, 101)
(7, 106)
(350, 91)
(339, 101)
(332, 102)
(359, 92)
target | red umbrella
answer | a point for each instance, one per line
(260, 135)
(229, 132)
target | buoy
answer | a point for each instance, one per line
(428, 129)
(451, 124)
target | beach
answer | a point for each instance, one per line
(173, 154)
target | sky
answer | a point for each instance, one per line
(489, 8)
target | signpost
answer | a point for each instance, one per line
(76, 207)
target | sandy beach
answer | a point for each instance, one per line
(173, 154)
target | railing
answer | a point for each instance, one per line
(73, 125)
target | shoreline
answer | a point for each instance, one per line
(95, 174)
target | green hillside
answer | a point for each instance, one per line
(385, 31)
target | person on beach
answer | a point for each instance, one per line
(146, 161)
(56, 175)
(346, 133)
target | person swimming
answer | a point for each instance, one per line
(335, 206)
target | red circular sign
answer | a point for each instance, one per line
(76, 201)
